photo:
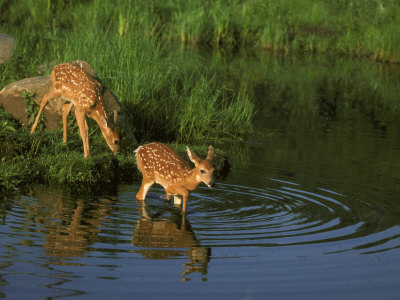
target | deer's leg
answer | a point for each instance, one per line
(46, 98)
(86, 142)
(87, 134)
(65, 112)
(177, 200)
(185, 196)
(83, 130)
(146, 184)
(143, 212)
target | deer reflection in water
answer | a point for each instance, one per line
(70, 226)
(166, 237)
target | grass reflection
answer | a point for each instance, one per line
(325, 122)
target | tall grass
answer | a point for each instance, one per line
(166, 98)
(362, 28)
(162, 98)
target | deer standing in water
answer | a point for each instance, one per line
(79, 89)
(159, 163)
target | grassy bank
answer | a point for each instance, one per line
(162, 98)
(42, 158)
(361, 28)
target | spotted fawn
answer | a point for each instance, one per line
(79, 89)
(158, 163)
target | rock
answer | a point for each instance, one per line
(6, 47)
(13, 102)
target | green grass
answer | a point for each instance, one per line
(156, 91)
(367, 28)
(42, 158)
(130, 45)
(162, 97)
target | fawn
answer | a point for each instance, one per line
(159, 163)
(79, 89)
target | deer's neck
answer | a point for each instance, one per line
(191, 181)
(100, 116)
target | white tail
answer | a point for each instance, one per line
(80, 90)
(159, 163)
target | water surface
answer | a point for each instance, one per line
(310, 209)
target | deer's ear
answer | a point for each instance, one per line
(210, 153)
(192, 156)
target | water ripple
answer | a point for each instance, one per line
(288, 214)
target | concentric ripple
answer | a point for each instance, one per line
(287, 214)
(55, 244)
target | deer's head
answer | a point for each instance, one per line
(204, 167)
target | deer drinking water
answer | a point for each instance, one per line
(79, 89)
(159, 163)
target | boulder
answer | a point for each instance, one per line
(6, 47)
(13, 102)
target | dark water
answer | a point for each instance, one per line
(311, 209)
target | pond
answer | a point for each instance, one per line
(309, 210)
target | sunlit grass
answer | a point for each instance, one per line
(154, 89)
(367, 28)
(175, 100)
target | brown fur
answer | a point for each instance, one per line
(160, 164)
(80, 90)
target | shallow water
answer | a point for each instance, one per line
(310, 210)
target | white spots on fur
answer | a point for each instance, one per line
(162, 164)
(76, 85)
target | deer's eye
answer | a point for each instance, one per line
(116, 142)
(202, 171)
